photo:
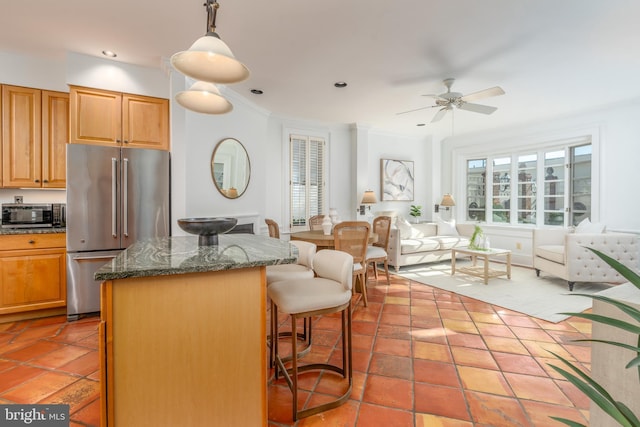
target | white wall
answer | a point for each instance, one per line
(418, 150)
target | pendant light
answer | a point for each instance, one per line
(209, 59)
(204, 97)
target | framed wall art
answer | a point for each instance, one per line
(397, 179)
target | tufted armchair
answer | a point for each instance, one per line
(564, 254)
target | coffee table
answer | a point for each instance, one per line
(484, 272)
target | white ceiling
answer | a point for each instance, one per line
(552, 57)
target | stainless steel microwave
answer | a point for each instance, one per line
(38, 215)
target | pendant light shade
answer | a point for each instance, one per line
(204, 97)
(209, 59)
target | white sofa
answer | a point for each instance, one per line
(564, 254)
(425, 242)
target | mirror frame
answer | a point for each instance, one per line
(211, 164)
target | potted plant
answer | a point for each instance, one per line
(594, 391)
(416, 212)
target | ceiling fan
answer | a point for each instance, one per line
(446, 101)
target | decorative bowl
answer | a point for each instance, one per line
(207, 228)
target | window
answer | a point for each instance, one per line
(527, 188)
(307, 178)
(512, 195)
(476, 174)
(501, 190)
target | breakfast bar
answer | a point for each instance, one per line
(183, 331)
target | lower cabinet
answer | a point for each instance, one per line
(32, 275)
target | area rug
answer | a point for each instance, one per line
(542, 297)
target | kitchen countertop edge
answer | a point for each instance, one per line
(182, 255)
(49, 230)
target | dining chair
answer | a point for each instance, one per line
(353, 237)
(315, 222)
(377, 251)
(329, 292)
(274, 230)
(301, 270)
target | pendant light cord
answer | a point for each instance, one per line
(212, 9)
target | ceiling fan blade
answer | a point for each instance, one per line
(417, 109)
(436, 97)
(477, 108)
(493, 91)
(439, 115)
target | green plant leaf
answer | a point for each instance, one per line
(618, 344)
(624, 271)
(568, 422)
(605, 320)
(631, 311)
(597, 394)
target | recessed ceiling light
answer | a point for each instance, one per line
(256, 91)
(340, 84)
(109, 53)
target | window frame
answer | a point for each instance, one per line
(507, 148)
(309, 137)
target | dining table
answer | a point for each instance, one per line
(321, 240)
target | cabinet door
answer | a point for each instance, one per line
(95, 116)
(21, 137)
(145, 122)
(32, 280)
(55, 135)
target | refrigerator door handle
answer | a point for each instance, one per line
(114, 195)
(125, 186)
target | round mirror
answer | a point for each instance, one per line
(230, 168)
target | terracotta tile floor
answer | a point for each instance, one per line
(422, 357)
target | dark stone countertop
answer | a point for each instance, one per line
(181, 255)
(45, 230)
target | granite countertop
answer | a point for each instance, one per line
(181, 255)
(45, 230)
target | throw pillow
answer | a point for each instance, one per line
(404, 226)
(447, 228)
(588, 227)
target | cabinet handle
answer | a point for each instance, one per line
(45, 180)
(37, 180)
(31, 242)
(118, 140)
(126, 142)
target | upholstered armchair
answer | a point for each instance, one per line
(565, 254)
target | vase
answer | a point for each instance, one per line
(326, 225)
(333, 214)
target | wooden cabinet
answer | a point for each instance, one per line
(55, 136)
(34, 133)
(111, 118)
(32, 274)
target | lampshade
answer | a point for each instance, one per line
(447, 201)
(209, 59)
(369, 198)
(203, 97)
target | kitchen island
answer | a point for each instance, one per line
(183, 332)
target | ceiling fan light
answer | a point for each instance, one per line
(204, 97)
(209, 59)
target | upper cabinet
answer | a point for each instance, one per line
(34, 133)
(111, 118)
(55, 135)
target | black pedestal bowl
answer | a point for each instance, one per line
(207, 229)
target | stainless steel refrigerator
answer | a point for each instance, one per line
(115, 197)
